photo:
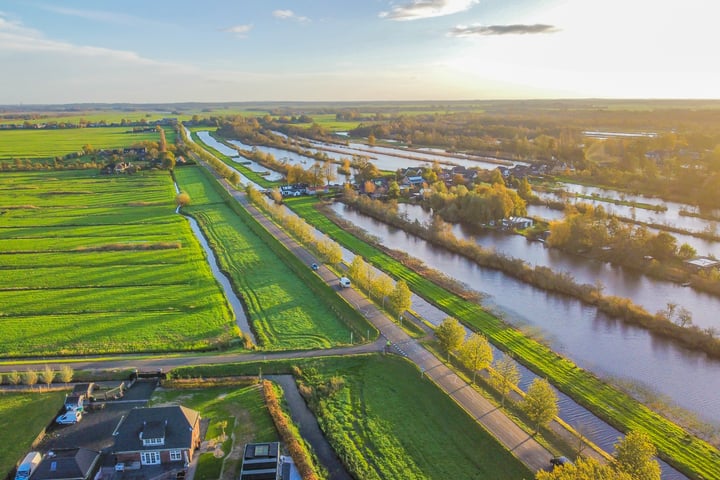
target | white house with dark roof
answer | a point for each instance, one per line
(68, 464)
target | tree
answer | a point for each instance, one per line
(13, 377)
(686, 251)
(635, 454)
(66, 374)
(359, 271)
(371, 140)
(47, 375)
(168, 160)
(540, 403)
(504, 376)
(393, 189)
(400, 299)
(476, 353)
(182, 199)
(381, 286)
(29, 377)
(450, 334)
(583, 469)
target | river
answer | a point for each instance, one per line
(650, 293)
(596, 342)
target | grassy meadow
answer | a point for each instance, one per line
(384, 421)
(93, 264)
(284, 312)
(52, 143)
(23, 416)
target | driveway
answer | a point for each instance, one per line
(95, 430)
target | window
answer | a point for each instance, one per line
(175, 455)
(150, 458)
(153, 441)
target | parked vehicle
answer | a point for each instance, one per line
(70, 417)
(559, 461)
(314, 266)
(28, 465)
(344, 282)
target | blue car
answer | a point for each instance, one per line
(314, 266)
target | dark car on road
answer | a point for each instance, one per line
(314, 266)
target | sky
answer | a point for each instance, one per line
(139, 51)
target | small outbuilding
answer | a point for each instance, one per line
(68, 464)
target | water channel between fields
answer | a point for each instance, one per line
(595, 429)
(233, 300)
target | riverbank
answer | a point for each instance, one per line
(691, 455)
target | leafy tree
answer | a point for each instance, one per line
(400, 298)
(182, 199)
(381, 286)
(540, 403)
(504, 376)
(686, 251)
(450, 334)
(13, 377)
(393, 189)
(29, 377)
(635, 454)
(168, 160)
(66, 374)
(234, 178)
(47, 375)
(583, 469)
(476, 353)
(359, 270)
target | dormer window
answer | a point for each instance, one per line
(153, 433)
(153, 441)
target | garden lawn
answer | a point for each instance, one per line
(691, 455)
(42, 143)
(95, 264)
(23, 416)
(284, 312)
(242, 407)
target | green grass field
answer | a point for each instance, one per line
(386, 422)
(52, 143)
(691, 455)
(242, 407)
(23, 416)
(284, 312)
(92, 264)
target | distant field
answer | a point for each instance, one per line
(285, 313)
(114, 116)
(51, 143)
(23, 416)
(92, 264)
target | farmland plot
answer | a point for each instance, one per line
(93, 264)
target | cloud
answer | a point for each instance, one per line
(99, 15)
(289, 15)
(418, 9)
(240, 31)
(485, 30)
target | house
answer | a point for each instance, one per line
(68, 464)
(261, 461)
(412, 181)
(519, 223)
(157, 435)
(700, 264)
